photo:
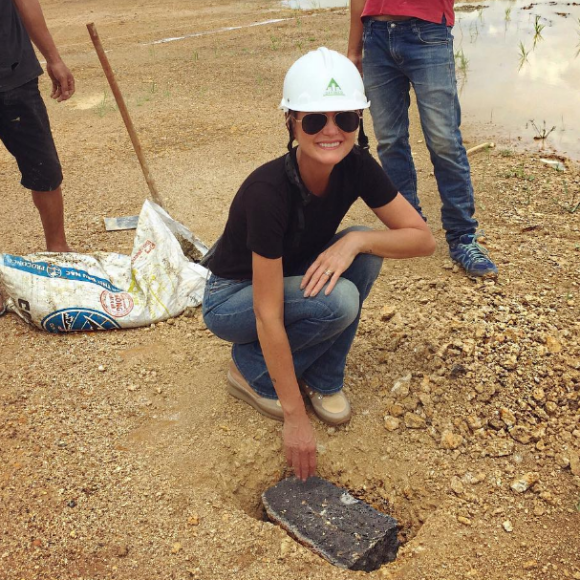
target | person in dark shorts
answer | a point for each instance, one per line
(284, 286)
(24, 125)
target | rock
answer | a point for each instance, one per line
(176, 548)
(101, 368)
(410, 403)
(392, 423)
(457, 370)
(345, 531)
(193, 520)
(538, 433)
(500, 447)
(553, 345)
(521, 434)
(538, 394)
(463, 520)
(425, 399)
(562, 460)
(523, 483)
(387, 312)
(530, 565)
(414, 421)
(496, 423)
(285, 547)
(457, 485)
(574, 464)
(401, 387)
(450, 440)
(508, 527)
(397, 410)
(397, 320)
(509, 362)
(474, 422)
(480, 330)
(121, 550)
(507, 416)
(539, 510)
(551, 407)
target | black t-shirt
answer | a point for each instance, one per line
(18, 62)
(268, 215)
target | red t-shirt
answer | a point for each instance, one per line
(430, 10)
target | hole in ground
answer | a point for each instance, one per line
(410, 506)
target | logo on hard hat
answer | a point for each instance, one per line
(333, 89)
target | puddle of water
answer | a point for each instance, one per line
(314, 4)
(518, 70)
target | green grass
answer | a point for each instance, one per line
(523, 55)
(105, 106)
(506, 153)
(573, 204)
(542, 133)
(462, 61)
(538, 30)
(519, 172)
(274, 42)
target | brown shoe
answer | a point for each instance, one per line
(240, 389)
(332, 409)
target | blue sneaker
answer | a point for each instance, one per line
(472, 257)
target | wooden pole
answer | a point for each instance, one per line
(124, 113)
(480, 147)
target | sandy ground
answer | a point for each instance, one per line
(147, 469)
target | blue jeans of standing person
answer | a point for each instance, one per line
(320, 329)
(419, 53)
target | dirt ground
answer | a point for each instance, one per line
(122, 456)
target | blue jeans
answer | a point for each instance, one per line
(320, 329)
(417, 52)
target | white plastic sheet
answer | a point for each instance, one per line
(103, 291)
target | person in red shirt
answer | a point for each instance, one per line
(396, 44)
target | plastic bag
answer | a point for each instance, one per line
(102, 291)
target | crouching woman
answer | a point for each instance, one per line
(285, 288)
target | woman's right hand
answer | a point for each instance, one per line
(300, 445)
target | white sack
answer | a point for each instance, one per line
(102, 291)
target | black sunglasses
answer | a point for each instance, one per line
(347, 121)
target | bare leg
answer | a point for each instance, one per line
(51, 209)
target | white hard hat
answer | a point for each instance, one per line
(323, 80)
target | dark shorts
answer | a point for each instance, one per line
(25, 131)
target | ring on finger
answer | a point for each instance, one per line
(328, 272)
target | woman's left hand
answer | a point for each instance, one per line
(329, 265)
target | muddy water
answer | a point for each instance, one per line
(519, 62)
(314, 4)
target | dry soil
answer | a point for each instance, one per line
(122, 456)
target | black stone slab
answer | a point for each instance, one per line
(327, 519)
